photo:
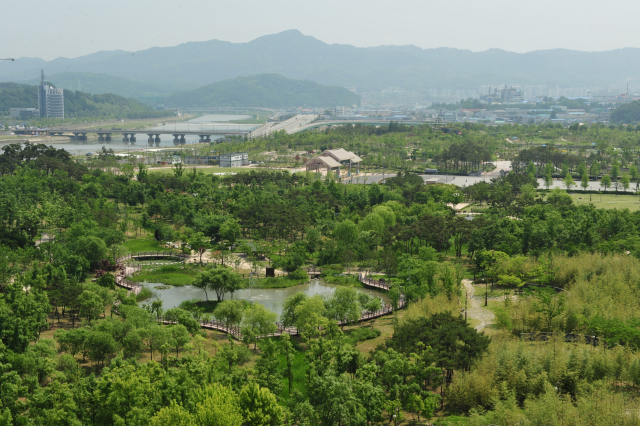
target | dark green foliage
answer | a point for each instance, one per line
(453, 343)
(626, 113)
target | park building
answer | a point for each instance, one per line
(234, 159)
(335, 160)
(50, 100)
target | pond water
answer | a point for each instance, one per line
(271, 298)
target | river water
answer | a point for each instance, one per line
(271, 298)
(219, 122)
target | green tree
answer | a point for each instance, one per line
(569, 182)
(101, 346)
(91, 305)
(584, 182)
(310, 317)
(605, 182)
(615, 170)
(178, 169)
(179, 337)
(219, 406)
(258, 321)
(289, 355)
(549, 304)
(221, 280)
(564, 170)
(259, 406)
(344, 305)
(633, 172)
(346, 232)
(625, 180)
(230, 312)
(198, 243)
(289, 317)
(595, 169)
(230, 231)
(582, 168)
(174, 414)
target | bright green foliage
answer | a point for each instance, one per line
(259, 406)
(221, 280)
(173, 415)
(257, 321)
(344, 306)
(218, 406)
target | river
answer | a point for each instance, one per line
(204, 122)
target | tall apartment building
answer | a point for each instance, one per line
(50, 100)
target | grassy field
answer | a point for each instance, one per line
(170, 275)
(208, 169)
(144, 244)
(608, 201)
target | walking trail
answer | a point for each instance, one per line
(474, 310)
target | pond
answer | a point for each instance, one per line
(271, 298)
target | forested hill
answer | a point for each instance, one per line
(627, 113)
(76, 104)
(264, 90)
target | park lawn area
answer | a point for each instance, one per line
(208, 169)
(169, 274)
(144, 244)
(608, 200)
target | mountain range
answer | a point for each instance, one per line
(294, 55)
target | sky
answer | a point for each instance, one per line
(71, 28)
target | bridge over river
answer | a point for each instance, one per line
(129, 136)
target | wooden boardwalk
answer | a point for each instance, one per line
(234, 330)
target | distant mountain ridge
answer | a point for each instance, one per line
(294, 55)
(265, 90)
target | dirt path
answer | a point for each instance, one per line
(474, 311)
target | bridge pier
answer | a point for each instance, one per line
(104, 137)
(125, 138)
(205, 138)
(157, 140)
(132, 138)
(150, 140)
(182, 140)
(176, 140)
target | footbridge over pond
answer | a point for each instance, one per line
(234, 330)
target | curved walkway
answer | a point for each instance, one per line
(474, 310)
(233, 330)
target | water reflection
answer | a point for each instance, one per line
(271, 298)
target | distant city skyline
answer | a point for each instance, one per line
(80, 28)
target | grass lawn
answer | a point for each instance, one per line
(144, 244)
(208, 169)
(170, 275)
(608, 201)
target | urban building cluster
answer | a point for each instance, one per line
(50, 103)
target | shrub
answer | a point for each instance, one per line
(298, 275)
(364, 333)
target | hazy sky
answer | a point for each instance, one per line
(71, 28)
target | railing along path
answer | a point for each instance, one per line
(234, 330)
